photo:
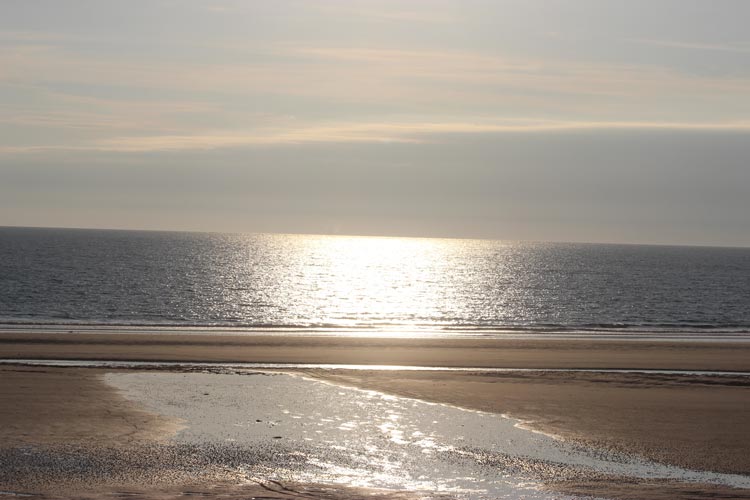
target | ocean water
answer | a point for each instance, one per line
(264, 281)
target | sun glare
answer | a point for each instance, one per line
(368, 280)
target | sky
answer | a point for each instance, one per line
(551, 120)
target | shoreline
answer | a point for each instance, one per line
(388, 332)
(189, 366)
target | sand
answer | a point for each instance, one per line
(509, 353)
(60, 406)
(698, 422)
(223, 490)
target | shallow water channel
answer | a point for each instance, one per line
(323, 433)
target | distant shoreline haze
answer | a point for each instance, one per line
(374, 236)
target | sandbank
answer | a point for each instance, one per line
(535, 352)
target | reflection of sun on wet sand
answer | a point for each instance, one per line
(123, 444)
(68, 434)
(699, 422)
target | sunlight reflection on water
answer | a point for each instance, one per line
(389, 287)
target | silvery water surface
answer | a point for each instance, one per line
(95, 277)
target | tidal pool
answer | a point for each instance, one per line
(312, 431)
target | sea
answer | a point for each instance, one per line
(275, 283)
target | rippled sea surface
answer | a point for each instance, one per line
(63, 276)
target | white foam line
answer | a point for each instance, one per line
(82, 363)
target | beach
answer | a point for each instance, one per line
(515, 351)
(697, 421)
(374, 250)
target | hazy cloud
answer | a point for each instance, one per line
(744, 48)
(508, 118)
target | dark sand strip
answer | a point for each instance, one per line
(501, 353)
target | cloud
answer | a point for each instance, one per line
(387, 132)
(433, 14)
(674, 44)
(337, 94)
(37, 37)
(415, 77)
(361, 133)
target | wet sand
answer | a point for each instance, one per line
(52, 406)
(698, 422)
(72, 413)
(224, 490)
(139, 468)
(535, 352)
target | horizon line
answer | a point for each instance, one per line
(384, 236)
